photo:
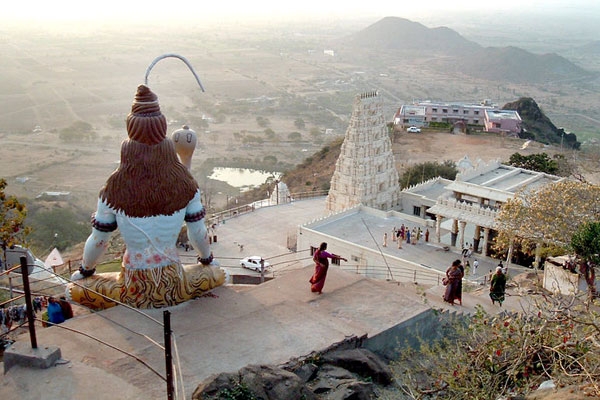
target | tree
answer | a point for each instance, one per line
(549, 214)
(539, 162)
(586, 242)
(78, 130)
(58, 228)
(12, 219)
(270, 133)
(262, 121)
(295, 136)
(299, 123)
(424, 171)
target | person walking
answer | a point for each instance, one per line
(321, 259)
(454, 277)
(385, 239)
(475, 265)
(498, 286)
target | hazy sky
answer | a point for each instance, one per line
(107, 10)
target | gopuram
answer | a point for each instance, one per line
(365, 172)
(148, 198)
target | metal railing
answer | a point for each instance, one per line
(397, 274)
(222, 216)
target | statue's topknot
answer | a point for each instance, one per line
(145, 123)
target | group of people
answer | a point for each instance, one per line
(57, 311)
(407, 235)
(453, 283)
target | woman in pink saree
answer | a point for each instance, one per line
(321, 258)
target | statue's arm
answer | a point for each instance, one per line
(196, 229)
(103, 224)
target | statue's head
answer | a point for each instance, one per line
(150, 179)
(145, 123)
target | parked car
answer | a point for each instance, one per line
(414, 129)
(253, 263)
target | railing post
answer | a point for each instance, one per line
(168, 355)
(28, 304)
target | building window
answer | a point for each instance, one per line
(445, 110)
(434, 118)
(455, 111)
(475, 121)
(434, 110)
(476, 112)
(417, 211)
(465, 112)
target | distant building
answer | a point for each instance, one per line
(503, 121)
(485, 114)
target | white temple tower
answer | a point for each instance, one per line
(365, 172)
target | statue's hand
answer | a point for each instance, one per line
(207, 261)
(82, 273)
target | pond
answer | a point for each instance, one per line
(242, 177)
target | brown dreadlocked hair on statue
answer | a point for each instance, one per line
(150, 179)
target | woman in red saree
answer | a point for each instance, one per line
(321, 258)
(454, 286)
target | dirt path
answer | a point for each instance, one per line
(416, 148)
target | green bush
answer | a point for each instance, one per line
(509, 354)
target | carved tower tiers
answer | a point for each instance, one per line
(365, 172)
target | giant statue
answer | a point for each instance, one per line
(148, 199)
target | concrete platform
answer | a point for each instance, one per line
(21, 353)
(231, 327)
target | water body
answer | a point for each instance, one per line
(242, 177)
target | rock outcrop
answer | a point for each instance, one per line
(337, 375)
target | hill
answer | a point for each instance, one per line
(400, 34)
(401, 37)
(538, 126)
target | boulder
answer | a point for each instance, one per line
(362, 362)
(262, 381)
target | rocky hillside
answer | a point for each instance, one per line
(538, 126)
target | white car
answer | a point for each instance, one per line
(253, 263)
(414, 129)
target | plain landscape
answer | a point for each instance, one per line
(275, 94)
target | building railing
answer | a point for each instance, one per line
(222, 216)
(396, 273)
